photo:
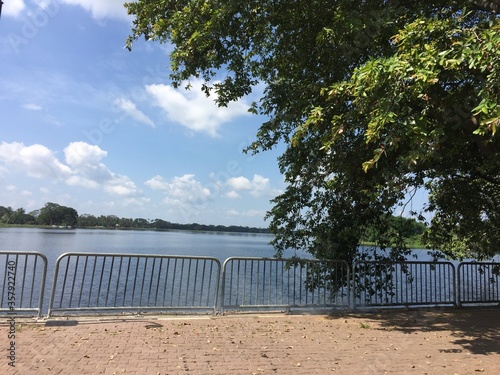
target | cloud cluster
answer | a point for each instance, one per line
(35, 160)
(180, 190)
(189, 108)
(88, 171)
(257, 187)
(192, 109)
(82, 167)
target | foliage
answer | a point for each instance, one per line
(374, 100)
(113, 221)
(409, 229)
(19, 216)
(55, 214)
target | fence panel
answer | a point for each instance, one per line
(264, 283)
(22, 282)
(131, 282)
(412, 283)
(478, 283)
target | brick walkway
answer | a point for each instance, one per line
(401, 342)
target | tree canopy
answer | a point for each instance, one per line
(55, 214)
(373, 99)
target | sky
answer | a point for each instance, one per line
(87, 124)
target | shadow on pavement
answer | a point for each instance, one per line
(476, 330)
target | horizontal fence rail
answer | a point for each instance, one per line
(412, 283)
(284, 283)
(22, 282)
(113, 282)
(478, 283)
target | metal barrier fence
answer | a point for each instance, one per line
(97, 282)
(485, 285)
(412, 283)
(22, 282)
(128, 282)
(284, 283)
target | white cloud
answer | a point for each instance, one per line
(80, 154)
(35, 160)
(130, 109)
(13, 8)
(240, 183)
(259, 186)
(248, 213)
(121, 185)
(101, 8)
(82, 181)
(180, 190)
(32, 107)
(89, 172)
(192, 109)
(233, 195)
(83, 167)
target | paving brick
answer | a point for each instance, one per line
(398, 342)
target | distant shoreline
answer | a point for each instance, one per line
(182, 227)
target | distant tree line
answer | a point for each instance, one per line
(53, 214)
(50, 214)
(112, 221)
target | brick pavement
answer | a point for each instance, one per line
(397, 342)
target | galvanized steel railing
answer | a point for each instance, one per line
(22, 282)
(478, 283)
(127, 282)
(98, 283)
(284, 283)
(412, 283)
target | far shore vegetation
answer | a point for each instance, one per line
(53, 215)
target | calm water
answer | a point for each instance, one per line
(54, 242)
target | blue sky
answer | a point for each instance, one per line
(87, 124)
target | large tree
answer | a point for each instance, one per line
(55, 214)
(373, 99)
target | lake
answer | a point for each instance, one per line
(54, 242)
(221, 245)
